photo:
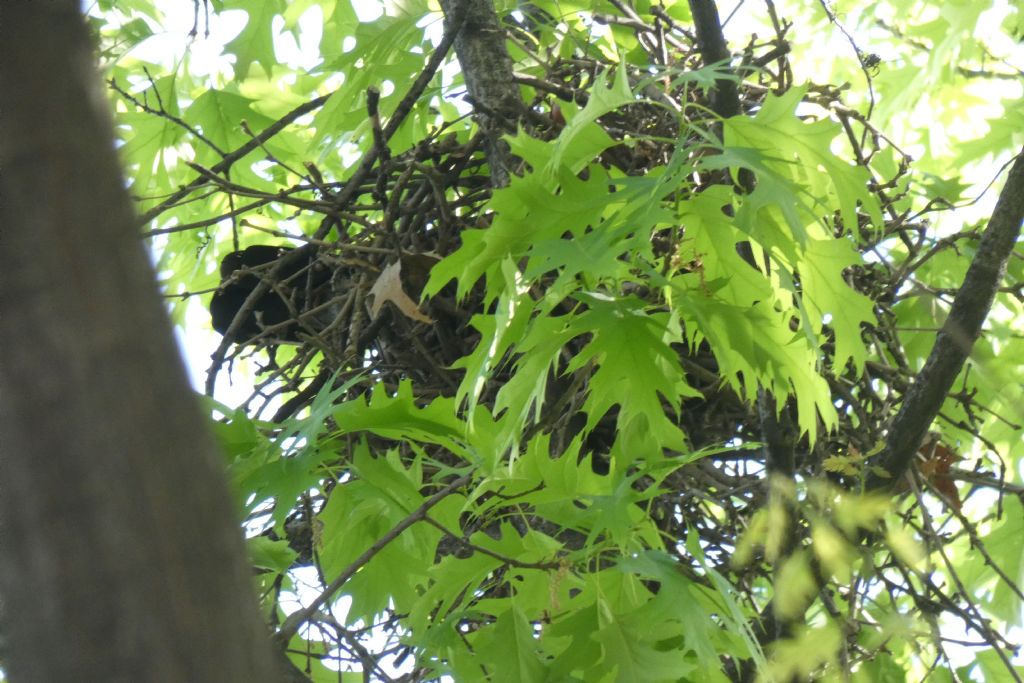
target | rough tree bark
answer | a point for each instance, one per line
(961, 329)
(121, 560)
(487, 70)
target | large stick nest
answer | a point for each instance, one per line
(350, 307)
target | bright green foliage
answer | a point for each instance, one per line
(799, 152)
(562, 476)
(636, 367)
(582, 139)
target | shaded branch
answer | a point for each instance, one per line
(956, 338)
(725, 100)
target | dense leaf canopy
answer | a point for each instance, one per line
(611, 345)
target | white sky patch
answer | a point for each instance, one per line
(304, 53)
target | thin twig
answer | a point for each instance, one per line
(299, 617)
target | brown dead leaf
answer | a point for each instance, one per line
(934, 461)
(388, 287)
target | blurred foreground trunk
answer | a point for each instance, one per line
(120, 558)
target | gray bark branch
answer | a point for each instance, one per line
(958, 334)
(487, 70)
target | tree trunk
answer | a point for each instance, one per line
(121, 558)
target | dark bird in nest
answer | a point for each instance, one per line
(288, 297)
